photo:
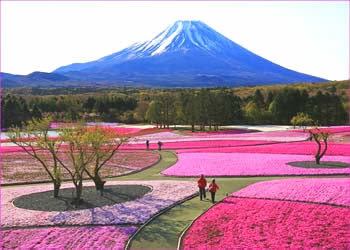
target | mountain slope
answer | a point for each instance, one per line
(187, 53)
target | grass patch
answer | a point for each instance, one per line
(44, 201)
(323, 164)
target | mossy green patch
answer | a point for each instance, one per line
(44, 201)
(323, 164)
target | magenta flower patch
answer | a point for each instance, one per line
(303, 148)
(269, 224)
(205, 144)
(324, 190)
(242, 164)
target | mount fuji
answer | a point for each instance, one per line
(186, 54)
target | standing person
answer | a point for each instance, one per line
(213, 187)
(147, 144)
(160, 145)
(202, 183)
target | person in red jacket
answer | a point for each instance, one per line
(202, 183)
(213, 187)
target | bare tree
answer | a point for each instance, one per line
(319, 136)
(76, 147)
(104, 144)
(34, 139)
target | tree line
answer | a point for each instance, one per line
(203, 108)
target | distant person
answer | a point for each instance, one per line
(160, 145)
(202, 184)
(212, 189)
(147, 144)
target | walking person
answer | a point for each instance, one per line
(160, 145)
(213, 187)
(147, 144)
(202, 183)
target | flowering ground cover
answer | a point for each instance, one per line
(341, 137)
(20, 167)
(323, 190)
(332, 129)
(160, 135)
(123, 131)
(221, 132)
(10, 149)
(278, 136)
(304, 148)
(56, 125)
(243, 164)
(148, 131)
(162, 195)
(270, 224)
(193, 144)
(283, 136)
(99, 237)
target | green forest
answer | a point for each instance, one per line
(206, 108)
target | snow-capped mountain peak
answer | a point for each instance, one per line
(181, 35)
(186, 52)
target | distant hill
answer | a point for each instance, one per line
(186, 54)
(37, 79)
(340, 88)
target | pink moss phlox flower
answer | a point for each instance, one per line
(283, 136)
(241, 223)
(163, 194)
(99, 237)
(123, 131)
(303, 148)
(243, 164)
(192, 144)
(324, 190)
(222, 132)
(332, 129)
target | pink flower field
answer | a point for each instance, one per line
(123, 131)
(193, 144)
(304, 148)
(269, 224)
(332, 129)
(322, 190)
(163, 194)
(99, 237)
(243, 164)
(20, 167)
(277, 136)
(222, 132)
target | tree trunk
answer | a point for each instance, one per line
(318, 159)
(56, 188)
(79, 191)
(192, 126)
(99, 184)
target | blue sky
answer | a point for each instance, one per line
(309, 37)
